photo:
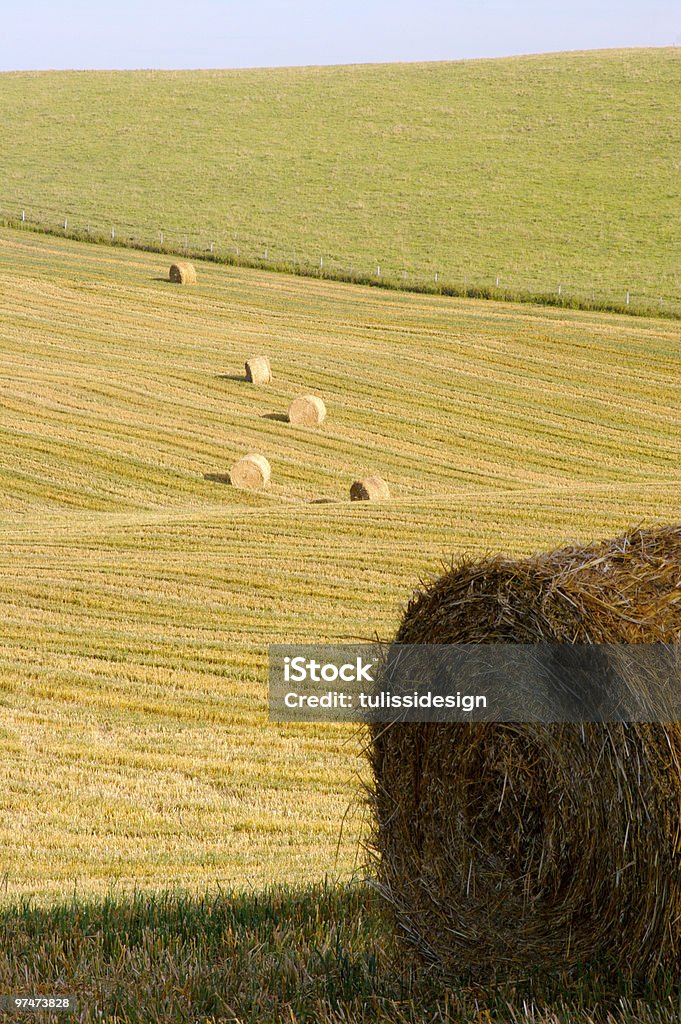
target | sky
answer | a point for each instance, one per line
(43, 34)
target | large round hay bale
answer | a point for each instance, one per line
(251, 473)
(258, 370)
(182, 273)
(307, 411)
(508, 849)
(369, 488)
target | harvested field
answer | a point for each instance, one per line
(138, 598)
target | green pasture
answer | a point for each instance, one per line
(541, 173)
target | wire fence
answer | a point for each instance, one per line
(233, 246)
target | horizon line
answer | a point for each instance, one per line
(349, 64)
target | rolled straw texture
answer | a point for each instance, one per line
(509, 849)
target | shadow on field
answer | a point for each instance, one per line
(270, 955)
(324, 953)
(280, 417)
(231, 376)
(218, 478)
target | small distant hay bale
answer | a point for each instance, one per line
(258, 370)
(251, 473)
(182, 273)
(507, 850)
(370, 488)
(307, 411)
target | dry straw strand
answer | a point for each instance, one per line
(258, 370)
(251, 473)
(307, 411)
(509, 849)
(370, 488)
(182, 273)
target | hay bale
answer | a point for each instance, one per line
(251, 473)
(307, 411)
(182, 273)
(506, 849)
(370, 488)
(258, 370)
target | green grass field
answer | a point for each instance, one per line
(543, 171)
(139, 594)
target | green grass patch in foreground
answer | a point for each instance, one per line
(318, 954)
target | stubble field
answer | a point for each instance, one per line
(140, 592)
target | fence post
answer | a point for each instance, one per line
(436, 277)
(113, 232)
(161, 237)
(560, 288)
(378, 271)
(211, 246)
(66, 223)
(321, 262)
(627, 298)
(23, 214)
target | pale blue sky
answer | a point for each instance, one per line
(263, 33)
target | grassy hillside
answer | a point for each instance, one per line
(139, 593)
(551, 170)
